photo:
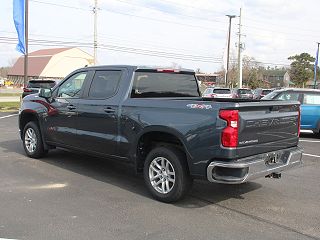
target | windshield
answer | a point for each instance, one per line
(222, 91)
(271, 95)
(157, 84)
(265, 92)
(245, 91)
(41, 84)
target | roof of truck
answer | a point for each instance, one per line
(140, 67)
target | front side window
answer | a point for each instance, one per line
(104, 84)
(71, 88)
(313, 99)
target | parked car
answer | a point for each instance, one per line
(260, 93)
(310, 105)
(217, 93)
(242, 93)
(34, 86)
(157, 121)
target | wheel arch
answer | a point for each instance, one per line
(157, 136)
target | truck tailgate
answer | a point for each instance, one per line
(271, 123)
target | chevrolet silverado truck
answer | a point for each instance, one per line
(157, 121)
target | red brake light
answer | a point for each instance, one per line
(27, 90)
(229, 136)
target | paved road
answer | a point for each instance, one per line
(71, 196)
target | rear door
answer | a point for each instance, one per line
(97, 122)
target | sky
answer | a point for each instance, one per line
(190, 34)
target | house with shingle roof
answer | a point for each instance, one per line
(54, 63)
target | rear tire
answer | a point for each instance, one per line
(166, 174)
(32, 141)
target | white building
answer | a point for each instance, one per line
(55, 63)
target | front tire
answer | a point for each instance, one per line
(32, 141)
(166, 174)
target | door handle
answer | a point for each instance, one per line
(71, 107)
(109, 110)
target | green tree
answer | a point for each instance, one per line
(301, 68)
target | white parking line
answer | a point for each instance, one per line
(311, 155)
(12, 115)
(311, 141)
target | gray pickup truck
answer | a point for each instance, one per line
(157, 121)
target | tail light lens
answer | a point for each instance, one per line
(27, 90)
(229, 136)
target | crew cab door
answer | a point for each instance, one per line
(61, 126)
(98, 110)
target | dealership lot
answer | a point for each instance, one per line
(71, 196)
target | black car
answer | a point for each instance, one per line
(34, 86)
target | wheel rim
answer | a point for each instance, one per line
(30, 140)
(162, 175)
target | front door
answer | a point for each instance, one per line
(98, 113)
(60, 124)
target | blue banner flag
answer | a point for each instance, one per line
(19, 22)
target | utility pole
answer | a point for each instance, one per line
(315, 67)
(95, 34)
(26, 19)
(239, 53)
(228, 48)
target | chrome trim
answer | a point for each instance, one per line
(256, 165)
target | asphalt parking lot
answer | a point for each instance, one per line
(72, 196)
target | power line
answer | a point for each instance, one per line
(140, 51)
(131, 15)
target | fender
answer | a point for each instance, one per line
(163, 129)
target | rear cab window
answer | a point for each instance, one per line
(153, 84)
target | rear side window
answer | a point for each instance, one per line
(222, 91)
(153, 84)
(104, 84)
(313, 99)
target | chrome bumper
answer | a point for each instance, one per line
(245, 169)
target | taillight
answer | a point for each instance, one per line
(213, 95)
(229, 136)
(27, 90)
(299, 121)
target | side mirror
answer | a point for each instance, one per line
(45, 93)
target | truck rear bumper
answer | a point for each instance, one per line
(245, 169)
